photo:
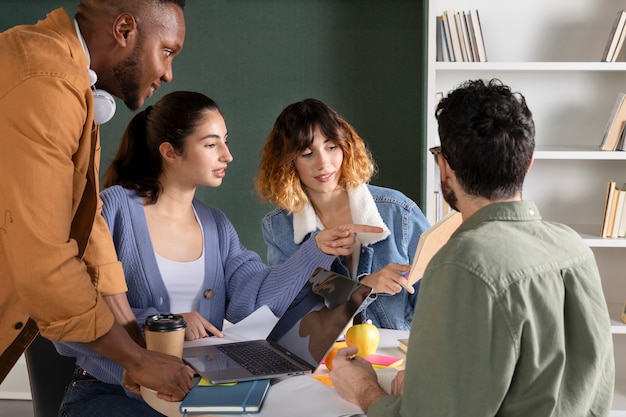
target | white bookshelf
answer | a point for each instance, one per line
(550, 51)
(16, 386)
(531, 66)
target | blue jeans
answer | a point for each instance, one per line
(88, 396)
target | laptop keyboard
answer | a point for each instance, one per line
(258, 359)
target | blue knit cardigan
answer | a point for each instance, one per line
(236, 280)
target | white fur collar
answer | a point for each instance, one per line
(363, 210)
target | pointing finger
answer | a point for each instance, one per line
(363, 228)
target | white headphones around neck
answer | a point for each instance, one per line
(104, 104)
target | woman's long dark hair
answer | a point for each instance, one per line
(138, 164)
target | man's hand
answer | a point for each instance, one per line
(354, 378)
(340, 240)
(168, 375)
(390, 279)
(397, 384)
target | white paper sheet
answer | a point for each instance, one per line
(256, 326)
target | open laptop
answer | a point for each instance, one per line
(297, 343)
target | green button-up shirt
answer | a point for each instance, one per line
(511, 320)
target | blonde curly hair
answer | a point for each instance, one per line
(277, 180)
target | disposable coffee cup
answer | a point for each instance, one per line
(165, 333)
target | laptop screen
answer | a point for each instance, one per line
(315, 319)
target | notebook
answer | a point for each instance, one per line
(298, 342)
(430, 242)
(238, 397)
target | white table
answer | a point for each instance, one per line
(304, 396)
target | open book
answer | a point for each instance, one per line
(430, 242)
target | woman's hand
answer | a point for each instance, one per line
(198, 326)
(340, 240)
(390, 279)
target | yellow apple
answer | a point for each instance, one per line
(365, 336)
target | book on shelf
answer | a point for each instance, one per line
(478, 34)
(460, 37)
(446, 40)
(614, 218)
(461, 29)
(471, 36)
(616, 39)
(620, 43)
(615, 124)
(617, 212)
(455, 40)
(621, 142)
(239, 397)
(621, 228)
(608, 205)
(624, 314)
(442, 46)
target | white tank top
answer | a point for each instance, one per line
(183, 280)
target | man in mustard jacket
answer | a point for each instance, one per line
(58, 267)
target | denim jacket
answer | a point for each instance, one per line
(403, 222)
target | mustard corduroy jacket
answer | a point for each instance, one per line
(57, 257)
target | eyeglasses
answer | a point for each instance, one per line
(436, 151)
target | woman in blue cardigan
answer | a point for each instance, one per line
(179, 254)
(316, 169)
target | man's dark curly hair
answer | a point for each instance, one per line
(487, 136)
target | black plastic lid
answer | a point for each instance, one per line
(165, 322)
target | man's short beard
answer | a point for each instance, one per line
(449, 195)
(128, 73)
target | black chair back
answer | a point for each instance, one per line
(48, 373)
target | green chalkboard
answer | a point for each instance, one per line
(365, 58)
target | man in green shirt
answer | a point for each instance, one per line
(511, 319)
